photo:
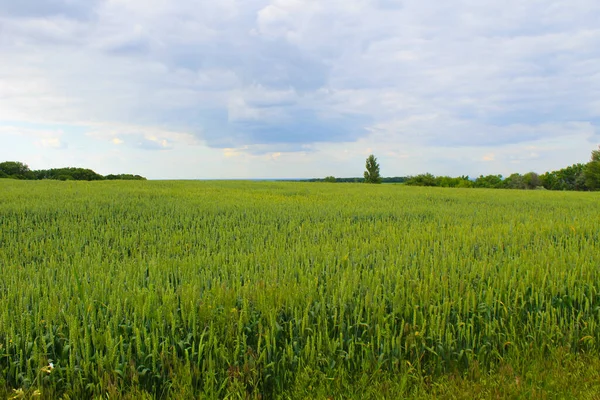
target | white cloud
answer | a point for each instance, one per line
(45, 138)
(53, 143)
(150, 138)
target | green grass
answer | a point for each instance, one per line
(297, 290)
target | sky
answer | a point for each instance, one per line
(236, 89)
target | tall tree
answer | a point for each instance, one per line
(372, 172)
(592, 171)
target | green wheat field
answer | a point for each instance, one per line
(261, 290)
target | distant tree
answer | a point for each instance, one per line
(489, 181)
(394, 179)
(592, 171)
(574, 177)
(569, 178)
(16, 169)
(531, 180)
(372, 173)
(448, 181)
(77, 174)
(421, 180)
(124, 177)
(514, 181)
(465, 182)
(330, 179)
(440, 181)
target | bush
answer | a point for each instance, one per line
(421, 180)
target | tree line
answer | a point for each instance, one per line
(583, 177)
(333, 179)
(19, 170)
(574, 177)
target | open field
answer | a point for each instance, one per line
(297, 290)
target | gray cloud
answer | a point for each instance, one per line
(292, 74)
(304, 126)
(145, 144)
(275, 64)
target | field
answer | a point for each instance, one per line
(297, 290)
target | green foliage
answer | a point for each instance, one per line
(295, 290)
(14, 168)
(330, 179)
(569, 178)
(515, 181)
(591, 172)
(447, 181)
(488, 181)
(78, 174)
(592, 175)
(574, 177)
(531, 180)
(391, 179)
(422, 180)
(124, 177)
(441, 181)
(18, 170)
(372, 174)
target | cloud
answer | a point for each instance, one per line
(43, 137)
(140, 137)
(229, 153)
(152, 144)
(288, 76)
(53, 143)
